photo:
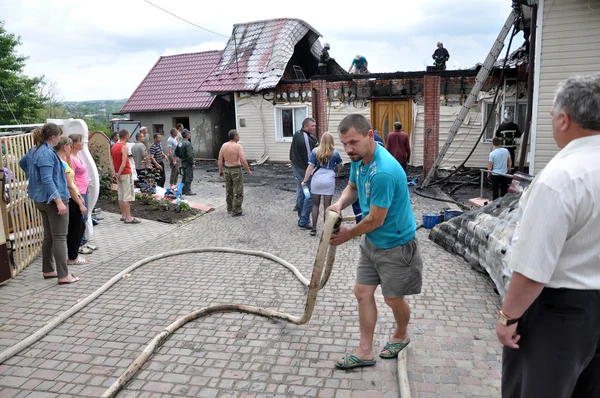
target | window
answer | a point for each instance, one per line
(489, 112)
(158, 128)
(288, 120)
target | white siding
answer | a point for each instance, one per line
(463, 142)
(570, 44)
(258, 136)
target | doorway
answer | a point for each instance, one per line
(183, 120)
(384, 113)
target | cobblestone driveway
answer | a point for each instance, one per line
(454, 351)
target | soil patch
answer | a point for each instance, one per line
(151, 212)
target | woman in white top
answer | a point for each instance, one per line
(323, 160)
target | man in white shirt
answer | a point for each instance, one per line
(499, 162)
(550, 320)
(173, 160)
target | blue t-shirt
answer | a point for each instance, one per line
(382, 183)
(330, 165)
(360, 63)
(499, 157)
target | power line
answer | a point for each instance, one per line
(185, 20)
(8, 105)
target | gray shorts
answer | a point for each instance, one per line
(398, 270)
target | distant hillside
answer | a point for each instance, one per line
(102, 108)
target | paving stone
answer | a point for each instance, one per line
(453, 349)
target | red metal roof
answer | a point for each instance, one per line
(172, 84)
(263, 50)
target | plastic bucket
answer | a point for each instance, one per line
(448, 214)
(431, 220)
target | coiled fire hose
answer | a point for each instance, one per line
(322, 268)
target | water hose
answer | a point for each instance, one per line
(322, 269)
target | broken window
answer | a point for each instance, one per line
(288, 120)
(519, 112)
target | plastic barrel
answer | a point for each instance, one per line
(431, 220)
(448, 214)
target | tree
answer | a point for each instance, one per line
(53, 100)
(19, 96)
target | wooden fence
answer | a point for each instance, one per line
(23, 222)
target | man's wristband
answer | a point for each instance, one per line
(506, 320)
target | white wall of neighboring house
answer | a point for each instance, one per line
(568, 43)
(256, 143)
(463, 142)
(199, 125)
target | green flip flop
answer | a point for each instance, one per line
(393, 348)
(352, 361)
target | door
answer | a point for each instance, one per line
(384, 113)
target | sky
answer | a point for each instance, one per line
(103, 49)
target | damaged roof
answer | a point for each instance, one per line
(171, 84)
(257, 54)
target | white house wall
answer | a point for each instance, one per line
(463, 142)
(570, 44)
(251, 136)
(200, 127)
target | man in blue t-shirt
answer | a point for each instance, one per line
(389, 252)
(499, 162)
(360, 65)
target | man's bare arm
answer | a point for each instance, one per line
(220, 161)
(244, 161)
(371, 222)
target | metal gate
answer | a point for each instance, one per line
(22, 221)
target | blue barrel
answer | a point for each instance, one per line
(431, 220)
(448, 214)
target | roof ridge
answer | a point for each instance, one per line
(278, 19)
(194, 53)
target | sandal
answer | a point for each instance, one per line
(50, 276)
(352, 361)
(85, 250)
(90, 246)
(313, 232)
(73, 280)
(78, 261)
(393, 349)
(133, 221)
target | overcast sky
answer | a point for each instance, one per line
(103, 49)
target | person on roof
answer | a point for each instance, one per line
(324, 59)
(440, 56)
(359, 65)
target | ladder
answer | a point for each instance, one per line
(482, 76)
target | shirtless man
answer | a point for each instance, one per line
(232, 154)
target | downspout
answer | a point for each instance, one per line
(316, 112)
(533, 53)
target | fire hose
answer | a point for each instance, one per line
(322, 268)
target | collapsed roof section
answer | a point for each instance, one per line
(259, 54)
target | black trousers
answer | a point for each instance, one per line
(511, 151)
(75, 231)
(188, 176)
(559, 350)
(499, 186)
(161, 175)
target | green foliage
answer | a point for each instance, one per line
(19, 96)
(184, 206)
(106, 179)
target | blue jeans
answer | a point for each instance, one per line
(84, 219)
(357, 211)
(304, 205)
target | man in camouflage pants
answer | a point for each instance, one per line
(186, 154)
(232, 157)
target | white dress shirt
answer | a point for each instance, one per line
(557, 240)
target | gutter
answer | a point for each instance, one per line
(536, 86)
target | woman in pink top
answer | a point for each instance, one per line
(82, 183)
